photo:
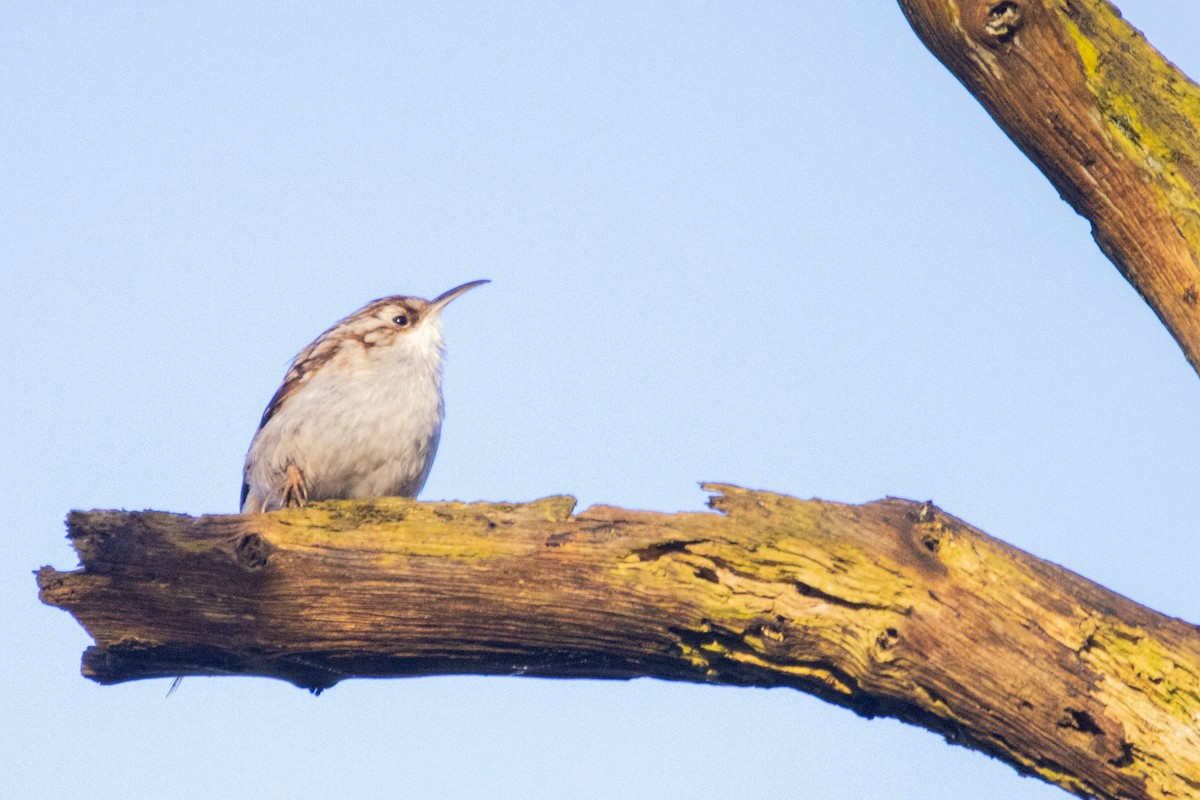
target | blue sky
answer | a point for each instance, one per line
(772, 245)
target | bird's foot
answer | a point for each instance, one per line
(295, 493)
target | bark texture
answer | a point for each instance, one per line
(1111, 123)
(889, 608)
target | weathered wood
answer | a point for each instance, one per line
(1111, 123)
(890, 608)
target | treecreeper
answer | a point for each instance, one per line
(360, 410)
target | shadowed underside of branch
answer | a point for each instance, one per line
(1111, 123)
(890, 608)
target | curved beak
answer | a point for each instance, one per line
(439, 302)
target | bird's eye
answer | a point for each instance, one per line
(400, 319)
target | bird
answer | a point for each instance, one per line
(359, 413)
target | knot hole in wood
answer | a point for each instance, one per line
(251, 552)
(1003, 21)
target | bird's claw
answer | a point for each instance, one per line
(295, 493)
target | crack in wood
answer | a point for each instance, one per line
(658, 550)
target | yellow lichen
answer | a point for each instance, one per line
(391, 530)
(1151, 110)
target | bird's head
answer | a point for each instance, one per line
(400, 322)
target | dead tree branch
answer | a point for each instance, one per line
(1111, 123)
(890, 608)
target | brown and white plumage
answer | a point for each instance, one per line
(360, 410)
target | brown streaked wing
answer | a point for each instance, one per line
(324, 348)
(311, 359)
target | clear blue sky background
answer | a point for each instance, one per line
(771, 244)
